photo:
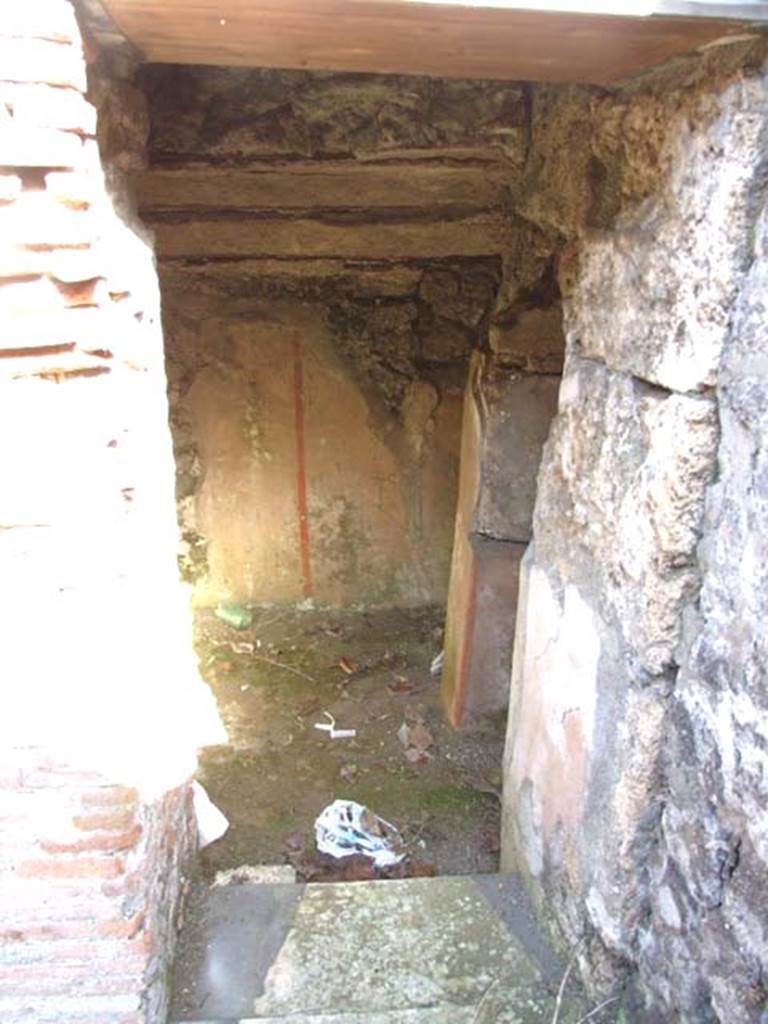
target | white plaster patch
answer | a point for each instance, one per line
(551, 738)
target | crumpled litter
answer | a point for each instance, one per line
(436, 666)
(346, 828)
(333, 732)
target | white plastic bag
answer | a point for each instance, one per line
(346, 828)
(211, 823)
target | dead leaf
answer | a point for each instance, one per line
(308, 707)
(400, 685)
(371, 823)
(414, 712)
(348, 665)
(421, 869)
(416, 756)
(420, 737)
(358, 869)
(294, 841)
(224, 666)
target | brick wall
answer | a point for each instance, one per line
(101, 708)
(89, 881)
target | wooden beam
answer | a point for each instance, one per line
(228, 237)
(400, 36)
(321, 186)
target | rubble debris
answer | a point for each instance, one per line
(417, 739)
(400, 685)
(256, 874)
(346, 828)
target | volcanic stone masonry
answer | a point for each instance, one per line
(635, 770)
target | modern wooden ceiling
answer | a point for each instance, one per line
(449, 38)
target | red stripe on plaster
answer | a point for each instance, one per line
(301, 467)
(461, 696)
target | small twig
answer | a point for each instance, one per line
(418, 832)
(563, 983)
(484, 1000)
(285, 668)
(597, 1009)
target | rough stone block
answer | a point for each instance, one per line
(42, 61)
(445, 342)
(515, 412)
(394, 117)
(656, 297)
(534, 341)
(621, 497)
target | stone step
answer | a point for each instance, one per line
(432, 1015)
(416, 951)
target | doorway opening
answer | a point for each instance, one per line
(345, 283)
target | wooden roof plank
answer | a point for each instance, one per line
(393, 36)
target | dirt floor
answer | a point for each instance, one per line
(276, 679)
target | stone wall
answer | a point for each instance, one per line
(635, 769)
(331, 250)
(96, 822)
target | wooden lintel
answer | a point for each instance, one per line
(400, 36)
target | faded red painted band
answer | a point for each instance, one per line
(301, 467)
(458, 709)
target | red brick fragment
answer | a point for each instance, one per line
(110, 796)
(123, 929)
(108, 842)
(110, 821)
(71, 867)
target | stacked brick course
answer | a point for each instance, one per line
(95, 816)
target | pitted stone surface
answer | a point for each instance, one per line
(419, 950)
(655, 296)
(635, 774)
